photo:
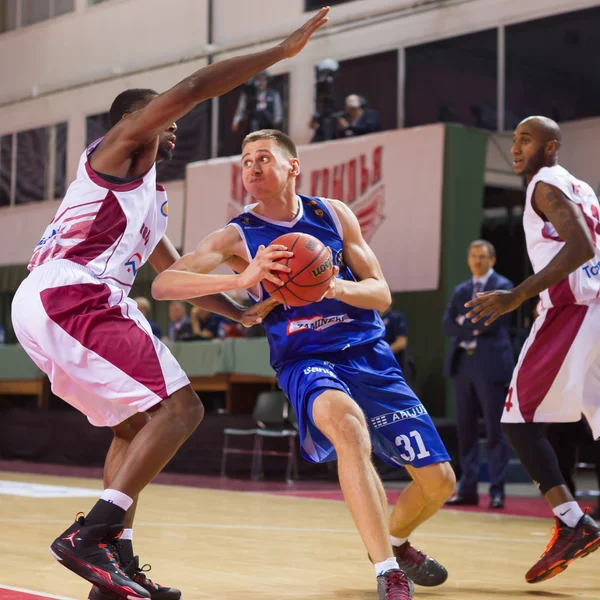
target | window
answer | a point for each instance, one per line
(6, 161)
(33, 165)
(230, 143)
(318, 4)
(453, 80)
(193, 143)
(8, 15)
(19, 13)
(94, 2)
(95, 127)
(552, 67)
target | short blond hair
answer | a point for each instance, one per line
(281, 139)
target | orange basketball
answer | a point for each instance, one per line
(311, 270)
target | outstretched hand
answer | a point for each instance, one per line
(295, 42)
(494, 304)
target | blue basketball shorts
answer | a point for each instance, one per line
(402, 432)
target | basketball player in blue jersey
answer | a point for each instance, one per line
(332, 363)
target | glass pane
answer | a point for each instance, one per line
(317, 4)
(63, 6)
(5, 168)
(193, 143)
(34, 11)
(230, 142)
(32, 151)
(60, 169)
(559, 81)
(453, 80)
(95, 127)
(8, 15)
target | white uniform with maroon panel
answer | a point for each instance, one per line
(72, 313)
(557, 378)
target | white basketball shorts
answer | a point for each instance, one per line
(557, 378)
(93, 343)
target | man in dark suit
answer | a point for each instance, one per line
(480, 364)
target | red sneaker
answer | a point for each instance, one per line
(567, 544)
(394, 585)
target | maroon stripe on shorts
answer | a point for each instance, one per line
(561, 293)
(546, 356)
(82, 310)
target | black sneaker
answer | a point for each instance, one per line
(422, 569)
(87, 551)
(394, 585)
(138, 574)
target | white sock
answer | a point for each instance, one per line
(127, 534)
(118, 498)
(385, 565)
(398, 541)
(569, 513)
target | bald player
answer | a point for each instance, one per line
(557, 378)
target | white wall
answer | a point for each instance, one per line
(142, 34)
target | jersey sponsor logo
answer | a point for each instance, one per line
(316, 323)
(322, 370)
(164, 208)
(145, 233)
(52, 234)
(133, 264)
(592, 271)
(400, 415)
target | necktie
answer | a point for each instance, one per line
(477, 288)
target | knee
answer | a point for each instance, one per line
(350, 434)
(129, 428)
(440, 487)
(187, 408)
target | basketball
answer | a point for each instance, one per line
(311, 270)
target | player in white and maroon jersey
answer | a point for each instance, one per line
(557, 378)
(73, 316)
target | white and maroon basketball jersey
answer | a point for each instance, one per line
(543, 242)
(109, 228)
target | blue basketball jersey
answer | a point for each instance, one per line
(325, 326)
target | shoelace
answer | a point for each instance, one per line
(142, 578)
(554, 532)
(397, 586)
(413, 555)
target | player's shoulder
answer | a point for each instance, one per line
(556, 176)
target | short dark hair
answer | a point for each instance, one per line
(127, 102)
(484, 244)
(281, 139)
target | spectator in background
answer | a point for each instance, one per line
(180, 327)
(480, 364)
(144, 307)
(396, 335)
(358, 119)
(259, 106)
(205, 325)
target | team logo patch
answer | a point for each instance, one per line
(316, 323)
(133, 264)
(164, 208)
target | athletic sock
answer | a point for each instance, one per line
(569, 513)
(385, 565)
(398, 541)
(110, 509)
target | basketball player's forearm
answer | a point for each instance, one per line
(220, 304)
(183, 285)
(569, 259)
(221, 77)
(370, 294)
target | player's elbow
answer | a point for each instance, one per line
(159, 288)
(384, 299)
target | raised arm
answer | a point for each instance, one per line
(142, 127)
(371, 291)
(568, 221)
(191, 277)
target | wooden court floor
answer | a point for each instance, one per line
(226, 545)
